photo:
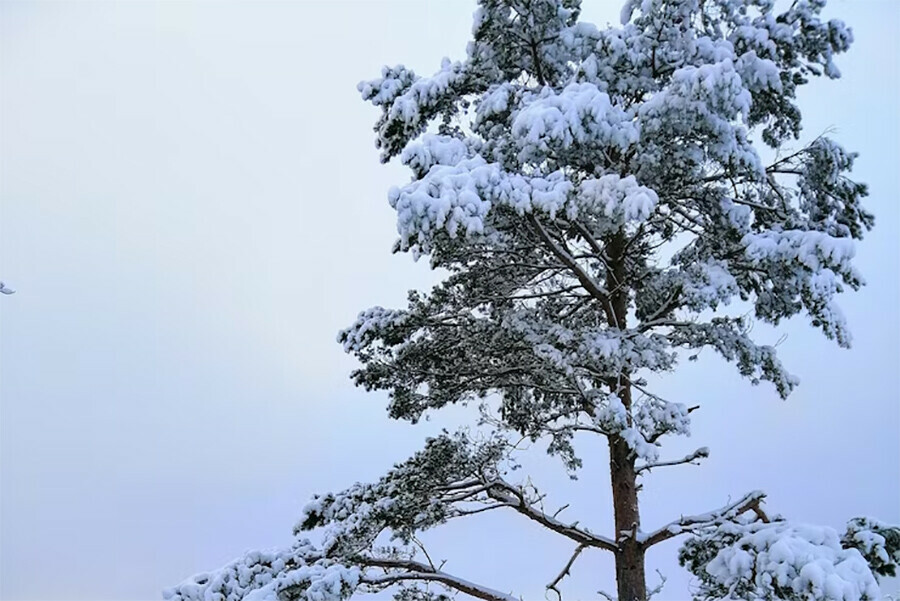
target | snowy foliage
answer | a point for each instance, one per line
(878, 542)
(780, 560)
(600, 208)
(272, 576)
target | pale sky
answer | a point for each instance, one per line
(191, 207)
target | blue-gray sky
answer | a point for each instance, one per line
(191, 206)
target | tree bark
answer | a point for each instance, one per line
(631, 581)
(630, 577)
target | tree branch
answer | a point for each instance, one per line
(700, 453)
(507, 494)
(689, 524)
(565, 571)
(668, 306)
(658, 588)
(592, 242)
(414, 570)
(587, 282)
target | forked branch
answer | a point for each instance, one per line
(553, 586)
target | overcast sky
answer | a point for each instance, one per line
(192, 207)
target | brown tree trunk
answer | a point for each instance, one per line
(630, 578)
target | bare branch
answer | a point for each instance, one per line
(662, 323)
(507, 494)
(419, 544)
(668, 305)
(763, 517)
(606, 596)
(658, 588)
(565, 571)
(459, 485)
(465, 512)
(592, 242)
(575, 428)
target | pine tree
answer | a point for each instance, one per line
(599, 201)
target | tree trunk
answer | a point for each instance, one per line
(630, 578)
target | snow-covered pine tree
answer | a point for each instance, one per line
(598, 203)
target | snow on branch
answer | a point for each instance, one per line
(689, 524)
(304, 573)
(403, 570)
(878, 542)
(777, 560)
(693, 458)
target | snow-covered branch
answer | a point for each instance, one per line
(700, 453)
(688, 524)
(404, 570)
(755, 559)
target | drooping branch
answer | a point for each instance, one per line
(689, 524)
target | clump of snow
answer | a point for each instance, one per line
(621, 199)
(579, 116)
(263, 575)
(807, 560)
(432, 149)
(812, 249)
(368, 324)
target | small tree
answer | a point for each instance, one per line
(598, 203)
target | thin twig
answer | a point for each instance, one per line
(565, 571)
